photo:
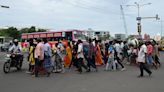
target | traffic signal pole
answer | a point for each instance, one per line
(139, 27)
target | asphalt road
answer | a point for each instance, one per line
(71, 81)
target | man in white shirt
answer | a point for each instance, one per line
(80, 57)
(142, 60)
(118, 52)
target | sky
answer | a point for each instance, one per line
(99, 15)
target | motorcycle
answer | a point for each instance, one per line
(13, 62)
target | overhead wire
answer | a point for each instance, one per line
(93, 8)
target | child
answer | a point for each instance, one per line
(111, 62)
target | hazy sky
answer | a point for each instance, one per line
(81, 14)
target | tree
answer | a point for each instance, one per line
(13, 32)
(24, 30)
(10, 32)
(41, 30)
(2, 32)
(32, 29)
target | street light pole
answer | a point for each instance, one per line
(138, 7)
(3, 6)
(161, 24)
(161, 27)
(139, 18)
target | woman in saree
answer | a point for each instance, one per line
(98, 57)
(68, 56)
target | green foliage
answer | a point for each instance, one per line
(32, 29)
(24, 30)
(15, 33)
(2, 32)
(41, 30)
(10, 32)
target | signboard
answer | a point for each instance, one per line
(43, 35)
(57, 34)
(50, 35)
(30, 36)
(36, 36)
(24, 37)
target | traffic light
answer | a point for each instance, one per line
(139, 27)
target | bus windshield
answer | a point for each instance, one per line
(1, 40)
(79, 36)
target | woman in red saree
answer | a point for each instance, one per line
(98, 57)
(68, 56)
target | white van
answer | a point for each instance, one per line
(4, 42)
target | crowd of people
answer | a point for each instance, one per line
(112, 55)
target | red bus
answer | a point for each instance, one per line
(54, 36)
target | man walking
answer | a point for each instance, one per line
(39, 56)
(80, 57)
(91, 56)
(47, 57)
(142, 59)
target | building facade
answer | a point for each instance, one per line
(120, 36)
(96, 34)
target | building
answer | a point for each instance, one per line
(120, 36)
(96, 34)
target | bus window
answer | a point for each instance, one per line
(79, 36)
(68, 36)
(1, 40)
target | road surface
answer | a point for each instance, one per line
(71, 81)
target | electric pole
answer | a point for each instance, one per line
(139, 27)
